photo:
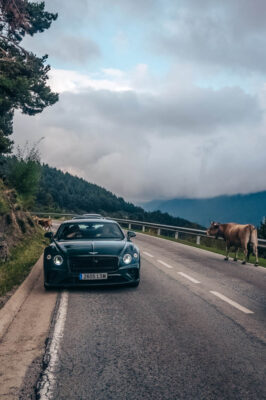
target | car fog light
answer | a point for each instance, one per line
(48, 256)
(135, 255)
(127, 258)
(58, 260)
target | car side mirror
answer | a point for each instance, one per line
(130, 234)
(49, 235)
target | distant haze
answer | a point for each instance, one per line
(240, 208)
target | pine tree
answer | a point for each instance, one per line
(23, 75)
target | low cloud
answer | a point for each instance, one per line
(143, 145)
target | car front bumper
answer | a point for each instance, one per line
(62, 277)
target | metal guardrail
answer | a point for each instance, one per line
(52, 213)
(158, 227)
(177, 229)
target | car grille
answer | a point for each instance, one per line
(93, 264)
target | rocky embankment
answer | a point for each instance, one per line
(15, 223)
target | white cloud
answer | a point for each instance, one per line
(194, 142)
(72, 81)
(143, 134)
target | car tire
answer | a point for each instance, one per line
(134, 284)
(47, 287)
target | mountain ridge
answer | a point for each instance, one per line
(239, 208)
(62, 192)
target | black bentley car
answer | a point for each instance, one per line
(91, 252)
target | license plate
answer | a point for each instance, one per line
(92, 277)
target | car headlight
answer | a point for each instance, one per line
(127, 258)
(58, 260)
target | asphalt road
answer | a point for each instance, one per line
(193, 329)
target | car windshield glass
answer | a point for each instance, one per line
(90, 230)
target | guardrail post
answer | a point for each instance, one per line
(143, 228)
(176, 235)
(198, 240)
(158, 231)
(129, 226)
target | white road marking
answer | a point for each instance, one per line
(188, 277)
(48, 379)
(147, 254)
(233, 303)
(165, 264)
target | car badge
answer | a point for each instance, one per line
(93, 253)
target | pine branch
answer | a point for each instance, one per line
(15, 44)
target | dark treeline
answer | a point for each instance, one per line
(63, 192)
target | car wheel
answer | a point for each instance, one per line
(46, 287)
(134, 284)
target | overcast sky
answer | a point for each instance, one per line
(158, 98)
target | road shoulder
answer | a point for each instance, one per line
(25, 322)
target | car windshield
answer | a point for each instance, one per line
(90, 230)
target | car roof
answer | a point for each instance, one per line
(76, 220)
(86, 216)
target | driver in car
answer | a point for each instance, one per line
(73, 232)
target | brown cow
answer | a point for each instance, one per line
(236, 235)
(46, 223)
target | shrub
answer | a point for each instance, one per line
(24, 172)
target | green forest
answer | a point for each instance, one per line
(42, 188)
(59, 191)
(63, 192)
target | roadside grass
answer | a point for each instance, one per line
(213, 245)
(21, 260)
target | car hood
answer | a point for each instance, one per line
(103, 247)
